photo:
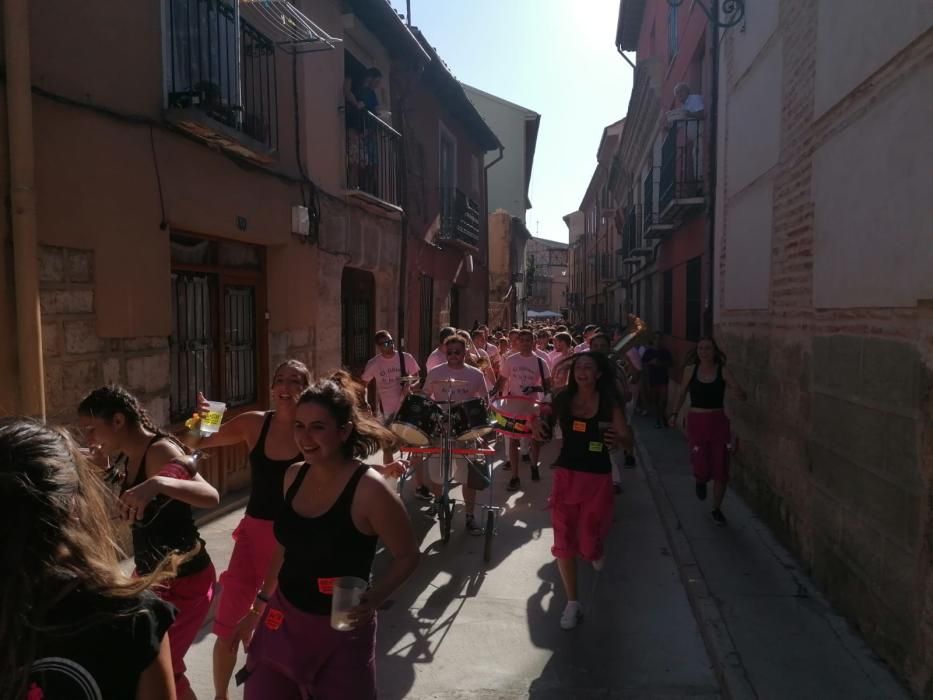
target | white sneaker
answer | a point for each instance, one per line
(572, 614)
(598, 564)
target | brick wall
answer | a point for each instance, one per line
(837, 448)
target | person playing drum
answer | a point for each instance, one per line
(468, 383)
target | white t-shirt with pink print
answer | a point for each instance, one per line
(387, 372)
(521, 372)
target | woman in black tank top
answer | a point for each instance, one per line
(592, 422)
(157, 503)
(709, 433)
(271, 441)
(335, 510)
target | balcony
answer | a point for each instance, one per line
(653, 227)
(373, 160)
(633, 248)
(221, 79)
(682, 168)
(460, 219)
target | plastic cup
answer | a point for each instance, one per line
(210, 422)
(346, 595)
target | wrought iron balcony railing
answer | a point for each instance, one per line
(460, 218)
(222, 69)
(682, 169)
(373, 156)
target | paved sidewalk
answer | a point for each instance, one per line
(771, 634)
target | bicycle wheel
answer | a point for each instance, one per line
(490, 533)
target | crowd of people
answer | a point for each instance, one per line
(73, 621)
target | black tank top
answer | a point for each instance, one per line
(318, 550)
(583, 449)
(167, 525)
(707, 394)
(267, 477)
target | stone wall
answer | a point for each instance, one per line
(77, 359)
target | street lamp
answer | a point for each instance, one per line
(731, 14)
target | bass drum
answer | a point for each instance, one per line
(470, 420)
(416, 420)
(513, 415)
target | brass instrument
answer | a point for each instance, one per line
(637, 332)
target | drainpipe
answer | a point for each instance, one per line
(486, 204)
(23, 206)
(712, 158)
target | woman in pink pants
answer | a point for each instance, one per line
(592, 422)
(708, 430)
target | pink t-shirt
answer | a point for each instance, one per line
(521, 372)
(555, 356)
(475, 386)
(386, 371)
(436, 359)
(582, 347)
(492, 351)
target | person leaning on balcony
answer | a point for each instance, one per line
(690, 102)
(708, 431)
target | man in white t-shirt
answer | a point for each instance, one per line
(691, 103)
(481, 341)
(439, 356)
(471, 383)
(524, 374)
(588, 333)
(563, 348)
(383, 380)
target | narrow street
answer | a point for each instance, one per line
(462, 629)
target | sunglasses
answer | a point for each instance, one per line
(454, 353)
(387, 343)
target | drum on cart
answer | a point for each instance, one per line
(416, 420)
(470, 420)
(513, 415)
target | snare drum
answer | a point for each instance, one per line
(470, 420)
(416, 420)
(513, 415)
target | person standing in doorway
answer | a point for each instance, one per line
(709, 434)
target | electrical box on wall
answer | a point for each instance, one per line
(301, 222)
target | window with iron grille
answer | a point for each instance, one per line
(219, 64)
(214, 345)
(694, 300)
(667, 302)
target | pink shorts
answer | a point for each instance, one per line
(255, 545)
(708, 435)
(192, 596)
(581, 512)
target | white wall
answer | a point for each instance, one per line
(857, 37)
(873, 235)
(507, 177)
(748, 247)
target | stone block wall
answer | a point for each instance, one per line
(77, 360)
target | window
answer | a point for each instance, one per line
(694, 300)
(667, 302)
(357, 299)
(221, 67)
(672, 39)
(213, 347)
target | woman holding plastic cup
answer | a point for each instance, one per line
(336, 508)
(592, 422)
(269, 436)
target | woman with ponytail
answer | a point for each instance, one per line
(336, 508)
(71, 624)
(158, 507)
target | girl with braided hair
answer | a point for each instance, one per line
(71, 624)
(159, 509)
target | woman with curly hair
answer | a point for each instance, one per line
(71, 624)
(336, 508)
(706, 379)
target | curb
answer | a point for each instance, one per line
(727, 663)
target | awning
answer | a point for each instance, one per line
(286, 26)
